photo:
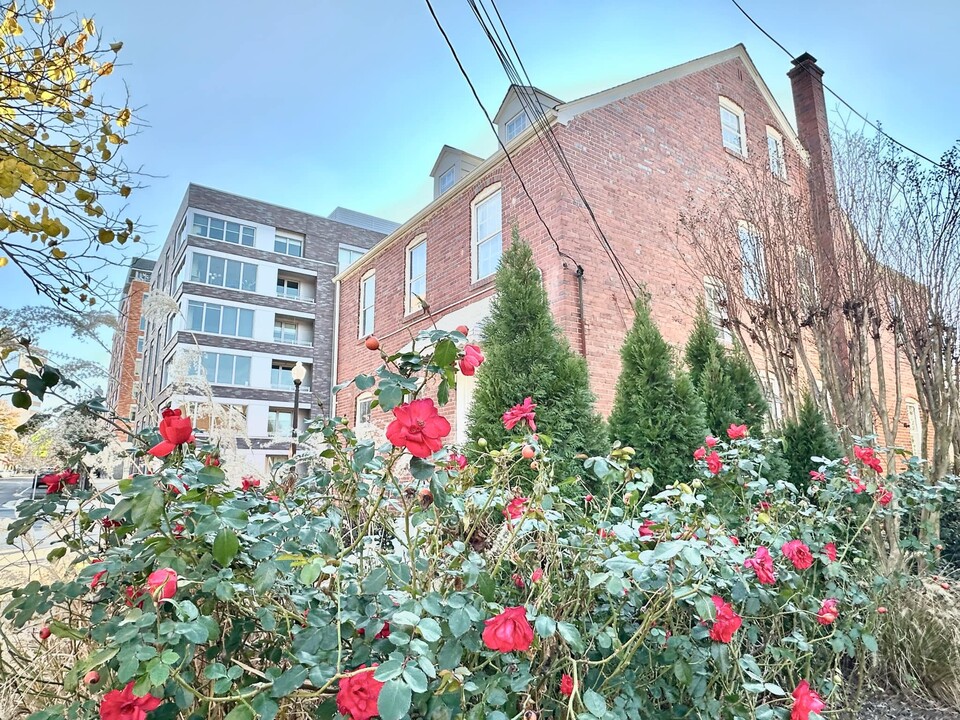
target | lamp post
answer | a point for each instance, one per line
(298, 372)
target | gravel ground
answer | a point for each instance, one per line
(898, 707)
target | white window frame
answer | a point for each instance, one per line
(807, 277)
(447, 179)
(486, 195)
(776, 155)
(715, 300)
(514, 128)
(915, 421)
(233, 371)
(774, 398)
(728, 105)
(206, 278)
(368, 281)
(353, 250)
(363, 400)
(285, 282)
(283, 325)
(247, 239)
(412, 304)
(287, 366)
(752, 255)
(286, 239)
(206, 307)
(276, 413)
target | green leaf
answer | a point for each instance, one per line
(21, 400)
(595, 703)
(289, 681)
(545, 626)
(869, 642)
(147, 507)
(570, 633)
(394, 700)
(225, 547)
(459, 623)
(389, 670)
(445, 353)
(264, 576)
(240, 712)
(421, 469)
(430, 630)
(390, 395)
(774, 689)
(364, 382)
(404, 617)
(415, 678)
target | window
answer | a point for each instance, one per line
(286, 245)
(280, 423)
(368, 290)
(224, 369)
(774, 398)
(416, 275)
(285, 331)
(516, 125)
(752, 263)
(137, 366)
(778, 161)
(347, 257)
(288, 288)
(716, 301)
(364, 408)
(143, 323)
(448, 179)
(806, 277)
(219, 319)
(487, 237)
(732, 126)
(217, 229)
(218, 416)
(139, 345)
(280, 377)
(211, 270)
(916, 427)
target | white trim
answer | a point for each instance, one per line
(916, 427)
(408, 299)
(478, 199)
(734, 109)
(364, 397)
(452, 171)
(336, 349)
(714, 292)
(772, 134)
(362, 331)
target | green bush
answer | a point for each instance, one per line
(807, 437)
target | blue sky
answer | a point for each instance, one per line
(314, 104)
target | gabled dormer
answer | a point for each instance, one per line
(512, 118)
(451, 166)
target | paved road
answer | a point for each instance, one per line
(12, 491)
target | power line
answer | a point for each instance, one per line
(850, 107)
(545, 131)
(476, 96)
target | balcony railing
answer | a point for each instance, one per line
(287, 341)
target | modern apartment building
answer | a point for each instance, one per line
(253, 286)
(129, 339)
(640, 152)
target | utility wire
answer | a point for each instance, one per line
(544, 130)
(476, 96)
(850, 107)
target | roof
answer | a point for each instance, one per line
(514, 89)
(448, 149)
(567, 111)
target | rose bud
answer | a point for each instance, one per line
(92, 677)
(44, 632)
(372, 343)
(426, 498)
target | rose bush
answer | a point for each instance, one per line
(398, 582)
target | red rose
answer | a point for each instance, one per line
(510, 631)
(830, 550)
(162, 584)
(516, 508)
(858, 485)
(537, 574)
(418, 427)
(828, 611)
(249, 482)
(56, 481)
(714, 463)
(726, 623)
(175, 430)
(736, 432)
(133, 594)
(358, 694)
(884, 496)
(700, 453)
(867, 456)
(212, 461)
(518, 580)
(384, 632)
(817, 475)
(566, 685)
(805, 701)
(459, 460)
(762, 565)
(523, 411)
(710, 441)
(471, 360)
(798, 553)
(124, 705)
(645, 531)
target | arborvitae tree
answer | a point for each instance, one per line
(724, 379)
(526, 354)
(806, 437)
(656, 410)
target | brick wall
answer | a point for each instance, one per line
(123, 361)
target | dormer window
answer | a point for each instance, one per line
(448, 179)
(516, 125)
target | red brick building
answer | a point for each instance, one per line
(639, 152)
(128, 341)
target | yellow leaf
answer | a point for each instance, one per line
(123, 118)
(3, 261)
(58, 253)
(124, 191)
(105, 69)
(88, 27)
(105, 236)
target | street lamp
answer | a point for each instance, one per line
(298, 372)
